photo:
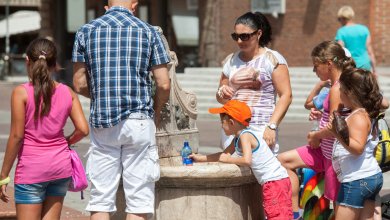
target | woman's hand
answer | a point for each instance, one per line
(3, 194)
(315, 114)
(312, 140)
(226, 92)
(269, 137)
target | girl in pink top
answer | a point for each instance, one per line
(39, 110)
(329, 61)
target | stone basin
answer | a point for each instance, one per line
(209, 174)
(214, 190)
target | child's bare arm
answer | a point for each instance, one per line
(315, 136)
(359, 128)
(80, 123)
(16, 136)
(212, 157)
(205, 158)
(246, 142)
(315, 91)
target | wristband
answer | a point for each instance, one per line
(5, 181)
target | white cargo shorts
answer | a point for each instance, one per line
(128, 150)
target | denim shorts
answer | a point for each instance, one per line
(36, 193)
(355, 193)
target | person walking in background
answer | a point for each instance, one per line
(39, 111)
(329, 60)
(353, 158)
(252, 151)
(113, 56)
(254, 75)
(356, 38)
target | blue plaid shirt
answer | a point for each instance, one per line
(119, 50)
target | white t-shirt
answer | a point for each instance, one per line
(260, 97)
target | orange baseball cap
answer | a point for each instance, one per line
(238, 110)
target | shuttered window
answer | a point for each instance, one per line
(269, 6)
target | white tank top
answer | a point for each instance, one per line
(265, 166)
(349, 167)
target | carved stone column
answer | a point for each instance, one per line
(178, 116)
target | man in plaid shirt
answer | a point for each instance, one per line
(112, 57)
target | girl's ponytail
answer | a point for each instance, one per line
(347, 64)
(42, 56)
(363, 86)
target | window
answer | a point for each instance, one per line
(192, 4)
(269, 6)
(76, 15)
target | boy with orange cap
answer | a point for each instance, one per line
(252, 151)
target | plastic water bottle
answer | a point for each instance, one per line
(318, 100)
(186, 151)
(315, 125)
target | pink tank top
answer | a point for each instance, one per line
(45, 155)
(326, 143)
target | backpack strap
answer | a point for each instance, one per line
(382, 150)
(375, 125)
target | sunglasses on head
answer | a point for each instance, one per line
(243, 37)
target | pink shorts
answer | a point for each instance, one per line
(315, 160)
(277, 199)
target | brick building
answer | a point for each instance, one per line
(304, 24)
(199, 30)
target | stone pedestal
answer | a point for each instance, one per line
(207, 191)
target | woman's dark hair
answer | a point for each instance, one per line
(363, 86)
(42, 55)
(257, 21)
(331, 50)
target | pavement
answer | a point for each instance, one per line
(292, 135)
